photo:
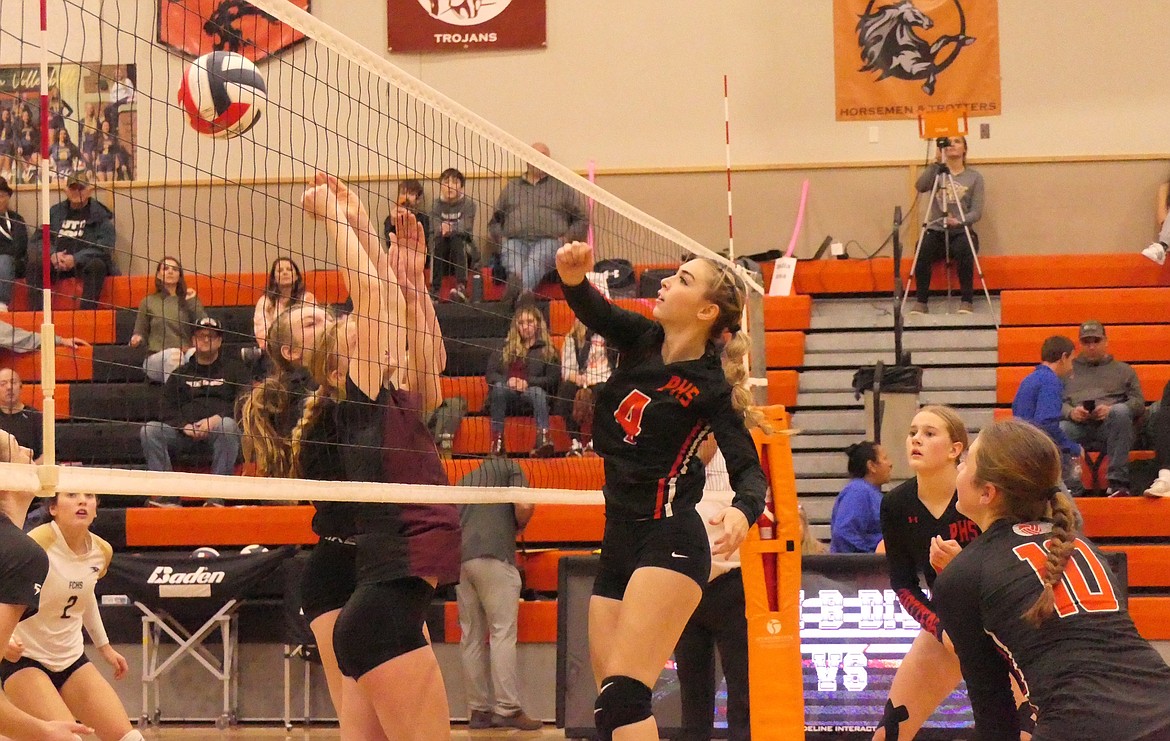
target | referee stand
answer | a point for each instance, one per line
(770, 560)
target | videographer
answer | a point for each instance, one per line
(945, 225)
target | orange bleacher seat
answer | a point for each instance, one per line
(1151, 615)
(586, 473)
(1109, 306)
(71, 364)
(214, 526)
(536, 623)
(782, 387)
(128, 291)
(1131, 517)
(472, 388)
(229, 289)
(566, 523)
(1131, 343)
(1148, 565)
(1153, 378)
(96, 327)
(327, 286)
(787, 312)
(474, 435)
(560, 316)
(541, 569)
(30, 394)
(784, 349)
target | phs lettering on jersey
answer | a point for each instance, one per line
(681, 389)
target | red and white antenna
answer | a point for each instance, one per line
(727, 139)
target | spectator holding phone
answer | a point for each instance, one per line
(1102, 400)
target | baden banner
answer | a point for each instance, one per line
(902, 58)
(465, 25)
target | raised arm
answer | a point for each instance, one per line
(428, 354)
(624, 329)
(379, 346)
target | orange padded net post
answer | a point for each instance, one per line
(771, 581)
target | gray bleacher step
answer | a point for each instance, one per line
(878, 313)
(932, 378)
(817, 464)
(846, 399)
(818, 509)
(852, 421)
(832, 441)
(820, 531)
(920, 340)
(924, 358)
(825, 487)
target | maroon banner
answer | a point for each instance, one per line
(197, 27)
(465, 25)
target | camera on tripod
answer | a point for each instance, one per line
(942, 142)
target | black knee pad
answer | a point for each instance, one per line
(621, 702)
(892, 720)
(381, 622)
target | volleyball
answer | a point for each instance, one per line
(223, 94)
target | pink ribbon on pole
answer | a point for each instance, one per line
(799, 219)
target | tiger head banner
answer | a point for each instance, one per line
(898, 59)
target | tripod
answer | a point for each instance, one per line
(944, 180)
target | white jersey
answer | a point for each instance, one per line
(53, 636)
(717, 496)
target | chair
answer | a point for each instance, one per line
(298, 638)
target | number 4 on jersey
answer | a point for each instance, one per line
(629, 414)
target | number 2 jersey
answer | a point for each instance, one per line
(1086, 669)
(53, 636)
(651, 417)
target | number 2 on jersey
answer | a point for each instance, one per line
(629, 414)
(72, 601)
(1073, 593)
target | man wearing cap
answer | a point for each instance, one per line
(197, 405)
(1102, 400)
(82, 237)
(13, 245)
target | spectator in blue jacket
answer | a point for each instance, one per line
(856, 523)
(1040, 400)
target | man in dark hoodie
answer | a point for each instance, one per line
(82, 233)
(13, 245)
(1102, 400)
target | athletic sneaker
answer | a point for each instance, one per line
(457, 295)
(1161, 485)
(576, 450)
(918, 308)
(480, 719)
(966, 307)
(518, 720)
(1118, 492)
(1156, 252)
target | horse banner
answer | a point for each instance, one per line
(898, 59)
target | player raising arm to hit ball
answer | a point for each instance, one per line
(23, 566)
(666, 395)
(1031, 595)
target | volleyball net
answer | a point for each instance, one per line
(99, 105)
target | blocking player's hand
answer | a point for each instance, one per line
(735, 529)
(942, 552)
(320, 202)
(574, 260)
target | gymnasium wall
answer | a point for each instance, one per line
(1071, 166)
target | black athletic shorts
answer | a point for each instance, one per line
(678, 543)
(330, 577)
(8, 668)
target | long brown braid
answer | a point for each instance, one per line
(1024, 464)
(728, 293)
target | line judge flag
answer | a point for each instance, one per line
(897, 59)
(465, 25)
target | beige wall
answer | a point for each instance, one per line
(1071, 166)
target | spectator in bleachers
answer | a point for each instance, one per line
(1102, 401)
(285, 289)
(21, 340)
(452, 221)
(1040, 400)
(856, 522)
(165, 320)
(82, 232)
(946, 228)
(87, 140)
(1157, 249)
(586, 363)
(534, 215)
(64, 154)
(523, 374)
(196, 407)
(7, 143)
(13, 244)
(18, 420)
(28, 146)
(111, 160)
(410, 196)
(488, 594)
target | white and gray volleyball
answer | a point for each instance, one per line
(223, 94)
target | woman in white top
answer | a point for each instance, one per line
(285, 289)
(586, 364)
(45, 670)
